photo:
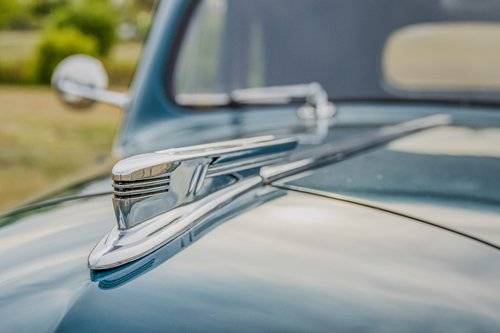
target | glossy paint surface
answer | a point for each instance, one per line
(447, 175)
(296, 263)
(44, 261)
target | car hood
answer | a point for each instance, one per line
(400, 238)
(297, 262)
(447, 175)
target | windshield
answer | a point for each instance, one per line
(356, 49)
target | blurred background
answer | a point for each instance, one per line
(42, 145)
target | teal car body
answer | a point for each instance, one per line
(404, 237)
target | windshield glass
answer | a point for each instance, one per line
(356, 49)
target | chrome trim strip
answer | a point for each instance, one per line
(236, 166)
(334, 152)
(159, 163)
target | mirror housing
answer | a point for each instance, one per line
(81, 80)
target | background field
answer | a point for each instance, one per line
(42, 144)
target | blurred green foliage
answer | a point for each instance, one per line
(58, 44)
(42, 8)
(93, 18)
(138, 14)
(8, 10)
(27, 14)
(17, 72)
(29, 45)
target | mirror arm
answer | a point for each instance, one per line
(99, 95)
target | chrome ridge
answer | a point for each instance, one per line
(159, 196)
(329, 153)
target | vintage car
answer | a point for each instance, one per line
(284, 165)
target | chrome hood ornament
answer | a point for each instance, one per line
(174, 181)
(149, 184)
(161, 196)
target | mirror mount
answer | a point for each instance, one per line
(81, 80)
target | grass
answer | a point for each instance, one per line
(43, 143)
(15, 45)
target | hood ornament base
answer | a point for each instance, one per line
(158, 195)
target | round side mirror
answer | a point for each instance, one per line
(76, 76)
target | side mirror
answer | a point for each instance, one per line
(81, 80)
